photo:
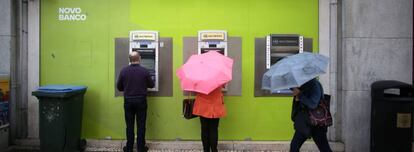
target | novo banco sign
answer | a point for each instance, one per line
(71, 14)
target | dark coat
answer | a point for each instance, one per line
(309, 98)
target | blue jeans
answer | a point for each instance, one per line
(319, 137)
(135, 108)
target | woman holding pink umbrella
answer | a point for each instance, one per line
(210, 108)
(206, 74)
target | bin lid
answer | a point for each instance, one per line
(58, 90)
(379, 89)
(386, 84)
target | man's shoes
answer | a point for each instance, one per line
(126, 150)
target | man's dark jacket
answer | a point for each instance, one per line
(134, 81)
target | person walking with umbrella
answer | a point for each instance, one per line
(307, 97)
(298, 73)
(206, 74)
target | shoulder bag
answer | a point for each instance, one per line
(321, 115)
(188, 105)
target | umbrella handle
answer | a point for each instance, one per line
(189, 95)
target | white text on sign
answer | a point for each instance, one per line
(71, 14)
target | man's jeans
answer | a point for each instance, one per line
(136, 106)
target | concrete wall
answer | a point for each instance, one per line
(5, 37)
(376, 45)
(329, 23)
(33, 67)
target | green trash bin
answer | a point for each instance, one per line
(60, 117)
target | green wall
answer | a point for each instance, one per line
(82, 53)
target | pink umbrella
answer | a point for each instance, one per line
(205, 72)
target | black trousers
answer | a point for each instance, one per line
(135, 108)
(319, 137)
(209, 133)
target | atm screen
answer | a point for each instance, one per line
(275, 57)
(148, 60)
(219, 50)
(148, 63)
(274, 60)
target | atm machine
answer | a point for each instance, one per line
(279, 46)
(212, 40)
(147, 44)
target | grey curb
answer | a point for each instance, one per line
(94, 145)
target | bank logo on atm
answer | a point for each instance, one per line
(143, 36)
(212, 36)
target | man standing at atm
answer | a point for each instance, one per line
(134, 80)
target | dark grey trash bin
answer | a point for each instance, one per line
(60, 118)
(392, 109)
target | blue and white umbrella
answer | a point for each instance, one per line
(293, 71)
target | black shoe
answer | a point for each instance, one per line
(145, 149)
(125, 149)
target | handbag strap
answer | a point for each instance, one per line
(322, 94)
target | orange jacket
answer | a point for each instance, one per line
(211, 105)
